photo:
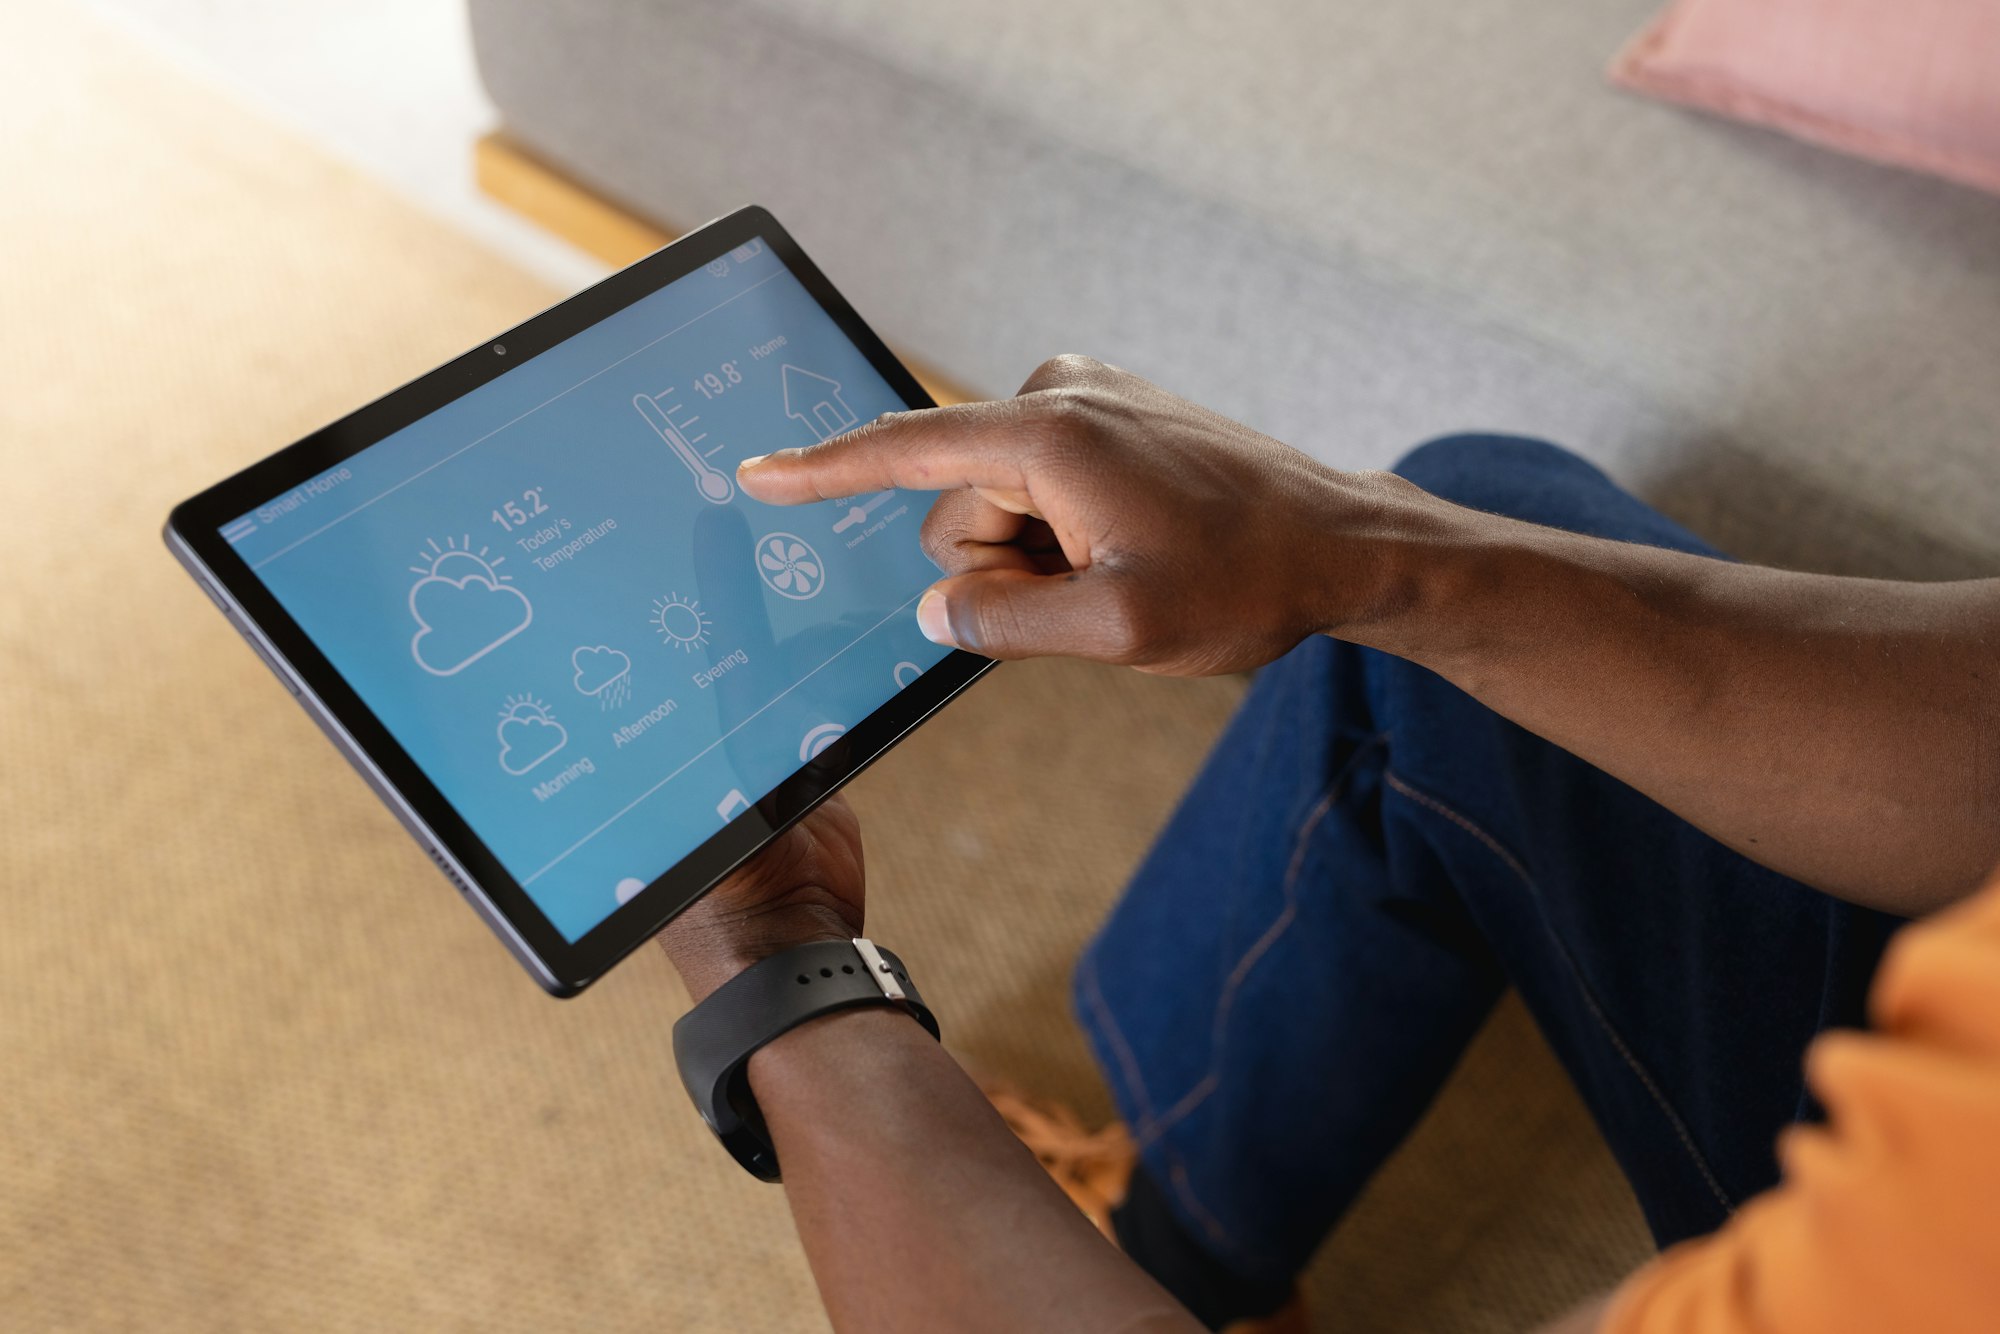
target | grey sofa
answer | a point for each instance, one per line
(1351, 225)
(1354, 226)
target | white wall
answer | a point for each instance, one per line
(387, 85)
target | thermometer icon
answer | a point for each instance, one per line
(713, 485)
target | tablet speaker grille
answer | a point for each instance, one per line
(449, 873)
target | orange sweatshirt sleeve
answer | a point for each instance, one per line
(1888, 1216)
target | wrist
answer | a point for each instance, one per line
(1460, 591)
(1390, 564)
(800, 1059)
(708, 947)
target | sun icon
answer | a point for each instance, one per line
(457, 560)
(517, 707)
(681, 622)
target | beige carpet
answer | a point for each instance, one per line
(261, 1069)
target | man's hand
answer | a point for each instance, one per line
(1098, 516)
(1845, 732)
(918, 1208)
(807, 886)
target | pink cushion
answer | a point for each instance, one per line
(1915, 83)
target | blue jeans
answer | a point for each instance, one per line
(1369, 857)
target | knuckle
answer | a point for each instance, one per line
(1064, 414)
(982, 625)
(1074, 367)
(1007, 624)
(932, 541)
(871, 434)
(1069, 368)
(1066, 402)
(1065, 432)
(939, 537)
(884, 426)
(950, 534)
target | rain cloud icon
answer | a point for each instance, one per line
(604, 673)
(464, 608)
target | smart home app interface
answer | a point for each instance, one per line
(553, 594)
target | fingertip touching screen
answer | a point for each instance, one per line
(554, 596)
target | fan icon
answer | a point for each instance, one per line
(790, 566)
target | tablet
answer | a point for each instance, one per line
(524, 595)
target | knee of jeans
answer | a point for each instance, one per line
(1486, 471)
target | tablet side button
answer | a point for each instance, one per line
(277, 668)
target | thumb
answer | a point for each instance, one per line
(1018, 614)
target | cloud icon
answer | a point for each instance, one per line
(462, 617)
(529, 734)
(598, 667)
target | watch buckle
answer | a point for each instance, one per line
(879, 969)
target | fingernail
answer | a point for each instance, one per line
(751, 462)
(933, 619)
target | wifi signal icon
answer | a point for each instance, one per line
(819, 739)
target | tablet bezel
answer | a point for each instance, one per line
(561, 966)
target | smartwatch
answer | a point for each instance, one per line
(714, 1041)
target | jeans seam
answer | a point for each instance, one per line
(1149, 1131)
(1217, 1233)
(1121, 1051)
(1590, 999)
(1153, 1131)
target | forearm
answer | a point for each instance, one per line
(1845, 732)
(918, 1209)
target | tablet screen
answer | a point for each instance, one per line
(553, 595)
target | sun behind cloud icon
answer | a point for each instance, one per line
(529, 734)
(463, 606)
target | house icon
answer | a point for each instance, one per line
(816, 401)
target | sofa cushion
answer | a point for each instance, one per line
(1915, 84)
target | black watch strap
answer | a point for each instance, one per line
(714, 1041)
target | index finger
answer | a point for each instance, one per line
(932, 449)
